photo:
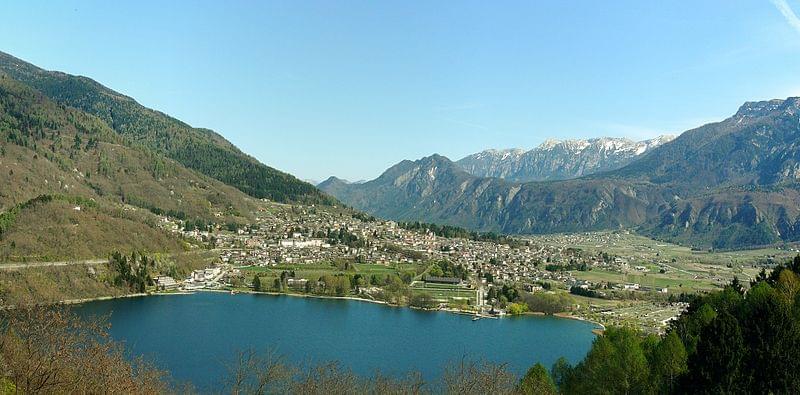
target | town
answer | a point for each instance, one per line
(292, 248)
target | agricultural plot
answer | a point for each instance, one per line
(685, 269)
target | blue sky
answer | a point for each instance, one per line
(348, 88)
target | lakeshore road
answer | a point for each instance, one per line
(97, 261)
(27, 265)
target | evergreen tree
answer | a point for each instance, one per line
(537, 382)
(561, 372)
(717, 364)
(669, 361)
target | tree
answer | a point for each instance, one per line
(669, 360)
(548, 303)
(342, 286)
(737, 285)
(130, 271)
(537, 382)
(770, 329)
(716, 366)
(423, 300)
(616, 363)
(256, 283)
(517, 308)
(474, 378)
(51, 350)
(561, 372)
(435, 271)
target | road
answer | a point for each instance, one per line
(27, 265)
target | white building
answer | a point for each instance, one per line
(166, 282)
(294, 243)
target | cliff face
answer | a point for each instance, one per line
(559, 160)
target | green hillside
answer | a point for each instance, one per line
(55, 159)
(199, 149)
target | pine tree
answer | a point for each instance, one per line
(537, 382)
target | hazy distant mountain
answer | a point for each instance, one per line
(559, 160)
(727, 184)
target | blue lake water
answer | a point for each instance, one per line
(196, 337)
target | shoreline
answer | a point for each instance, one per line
(250, 292)
(352, 298)
(600, 327)
(134, 295)
(98, 298)
(598, 331)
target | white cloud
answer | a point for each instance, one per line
(788, 13)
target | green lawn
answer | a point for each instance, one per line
(444, 292)
(317, 270)
(673, 281)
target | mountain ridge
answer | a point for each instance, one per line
(728, 184)
(558, 159)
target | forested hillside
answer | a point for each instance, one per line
(73, 188)
(200, 149)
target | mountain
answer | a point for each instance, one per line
(558, 160)
(435, 189)
(199, 149)
(75, 188)
(729, 184)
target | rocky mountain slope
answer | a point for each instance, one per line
(728, 184)
(558, 160)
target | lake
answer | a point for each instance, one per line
(196, 336)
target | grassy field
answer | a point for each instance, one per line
(317, 270)
(444, 293)
(676, 281)
(686, 270)
(645, 249)
(646, 315)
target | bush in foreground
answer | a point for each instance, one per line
(50, 350)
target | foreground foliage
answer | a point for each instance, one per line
(727, 342)
(49, 350)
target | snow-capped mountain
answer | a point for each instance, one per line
(559, 160)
